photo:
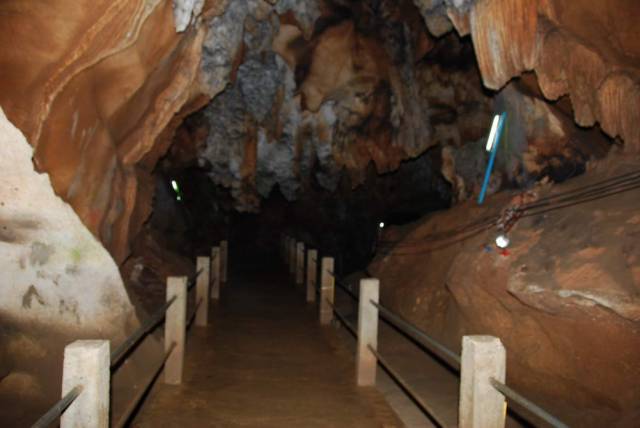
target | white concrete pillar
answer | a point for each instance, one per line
(481, 405)
(175, 329)
(87, 363)
(327, 290)
(312, 274)
(366, 361)
(300, 263)
(202, 290)
(292, 256)
(224, 260)
(215, 273)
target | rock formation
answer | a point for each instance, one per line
(563, 43)
(346, 86)
(357, 111)
(58, 273)
(556, 282)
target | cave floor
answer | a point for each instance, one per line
(264, 361)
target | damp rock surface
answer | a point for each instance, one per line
(58, 273)
(566, 272)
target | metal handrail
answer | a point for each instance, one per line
(134, 339)
(191, 282)
(419, 335)
(343, 319)
(345, 287)
(396, 377)
(438, 347)
(192, 315)
(453, 359)
(406, 387)
(133, 405)
(527, 404)
(117, 355)
(56, 410)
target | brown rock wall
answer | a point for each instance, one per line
(92, 85)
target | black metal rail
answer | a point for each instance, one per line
(407, 388)
(527, 404)
(450, 357)
(117, 356)
(133, 405)
(191, 282)
(54, 412)
(192, 316)
(344, 287)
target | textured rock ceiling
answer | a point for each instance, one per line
(292, 91)
(311, 98)
(306, 109)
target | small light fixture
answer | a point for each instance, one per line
(502, 241)
(381, 225)
(492, 135)
(174, 184)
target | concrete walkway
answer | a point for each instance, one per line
(264, 361)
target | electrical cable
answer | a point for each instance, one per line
(602, 189)
(585, 191)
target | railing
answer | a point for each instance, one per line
(88, 365)
(481, 366)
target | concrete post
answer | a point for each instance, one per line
(300, 263)
(481, 405)
(292, 256)
(224, 260)
(175, 328)
(366, 361)
(86, 363)
(202, 290)
(215, 273)
(327, 285)
(312, 274)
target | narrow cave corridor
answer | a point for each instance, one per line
(274, 364)
(211, 199)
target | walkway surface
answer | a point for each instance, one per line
(264, 361)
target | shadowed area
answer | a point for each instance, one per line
(477, 157)
(264, 361)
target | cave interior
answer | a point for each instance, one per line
(138, 135)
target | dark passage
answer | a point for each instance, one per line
(264, 361)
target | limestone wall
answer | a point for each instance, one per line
(55, 273)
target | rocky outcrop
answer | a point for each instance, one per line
(49, 257)
(563, 298)
(298, 111)
(323, 89)
(563, 43)
(539, 140)
(59, 284)
(311, 99)
(185, 12)
(92, 85)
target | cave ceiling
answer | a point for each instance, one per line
(293, 94)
